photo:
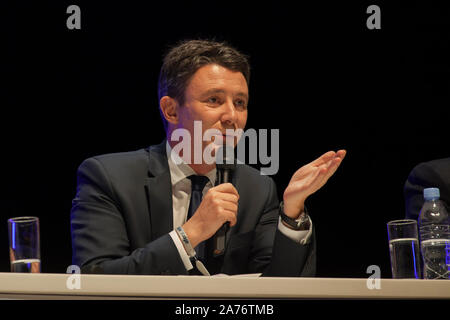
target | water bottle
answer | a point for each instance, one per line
(434, 225)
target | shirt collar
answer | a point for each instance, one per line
(181, 171)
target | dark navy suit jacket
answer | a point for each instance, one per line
(122, 215)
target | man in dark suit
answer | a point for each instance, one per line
(137, 213)
(431, 174)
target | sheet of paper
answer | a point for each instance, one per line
(246, 275)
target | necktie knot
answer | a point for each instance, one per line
(198, 182)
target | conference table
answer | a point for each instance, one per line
(89, 286)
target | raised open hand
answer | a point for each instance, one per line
(308, 179)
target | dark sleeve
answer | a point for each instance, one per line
(100, 241)
(280, 255)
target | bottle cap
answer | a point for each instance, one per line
(431, 193)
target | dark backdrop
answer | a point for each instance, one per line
(318, 74)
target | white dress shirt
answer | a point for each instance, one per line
(181, 195)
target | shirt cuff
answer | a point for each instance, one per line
(183, 254)
(299, 236)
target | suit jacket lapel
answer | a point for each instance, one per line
(159, 192)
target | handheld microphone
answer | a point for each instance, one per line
(225, 165)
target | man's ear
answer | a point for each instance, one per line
(169, 108)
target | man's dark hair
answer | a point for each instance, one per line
(183, 60)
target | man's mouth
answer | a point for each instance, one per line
(222, 139)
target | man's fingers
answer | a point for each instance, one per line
(228, 205)
(323, 173)
(341, 153)
(334, 164)
(229, 215)
(225, 187)
(327, 156)
(327, 171)
(232, 219)
(227, 197)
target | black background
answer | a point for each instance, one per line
(318, 74)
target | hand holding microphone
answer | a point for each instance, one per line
(218, 209)
(225, 165)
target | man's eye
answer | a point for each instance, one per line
(241, 104)
(213, 100)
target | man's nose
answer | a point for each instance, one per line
(229, 115)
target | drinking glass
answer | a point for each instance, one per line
(24, 246)
(404, 249)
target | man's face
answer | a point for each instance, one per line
(217, 97)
